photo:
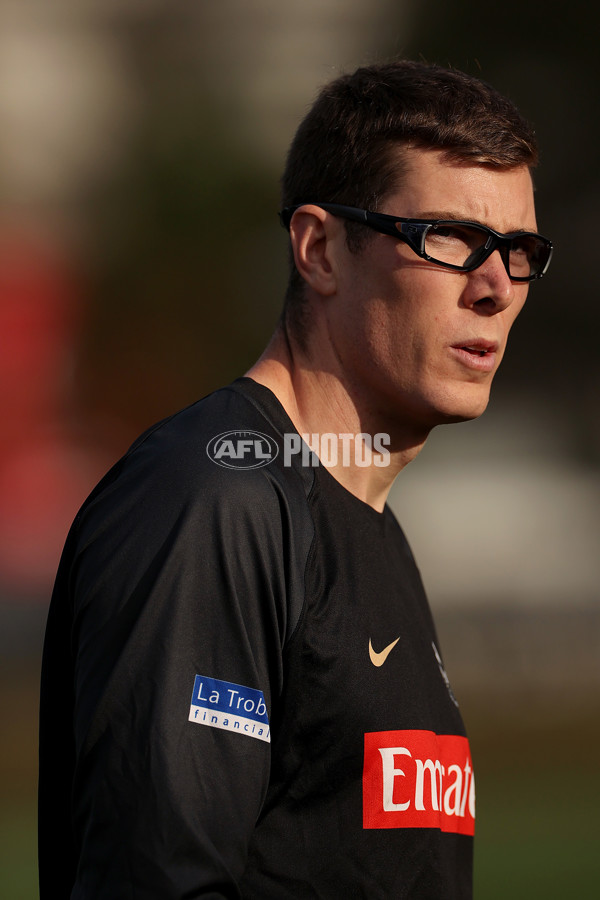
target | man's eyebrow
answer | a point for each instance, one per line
(450, 216)
(446, 214)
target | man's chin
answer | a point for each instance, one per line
(462, 411)
(441, 408)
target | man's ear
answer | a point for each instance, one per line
(314, 235)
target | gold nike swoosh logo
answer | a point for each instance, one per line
(378, 659)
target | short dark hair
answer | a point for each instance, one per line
(343, 149)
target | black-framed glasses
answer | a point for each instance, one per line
(458, 245)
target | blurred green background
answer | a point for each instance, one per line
(142, 265)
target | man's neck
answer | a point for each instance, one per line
(320, 403)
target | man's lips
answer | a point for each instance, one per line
(477, 354)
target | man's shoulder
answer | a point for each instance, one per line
(231, 408)
(168, 498)
(224, 452)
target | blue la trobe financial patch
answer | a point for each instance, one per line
(230, 706)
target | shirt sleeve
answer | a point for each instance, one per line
(178, 575)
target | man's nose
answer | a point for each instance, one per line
(490, 287)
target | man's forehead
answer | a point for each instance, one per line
(433, 186)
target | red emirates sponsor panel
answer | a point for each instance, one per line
(418, 779)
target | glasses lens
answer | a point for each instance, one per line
(467, 246)
(455, 244)
(528, 256)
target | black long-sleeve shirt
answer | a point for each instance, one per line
(242, 694)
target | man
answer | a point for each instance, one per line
(243, 693)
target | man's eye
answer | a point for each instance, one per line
(520, 246)
(454, 233)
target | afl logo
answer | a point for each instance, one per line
(242, 449)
